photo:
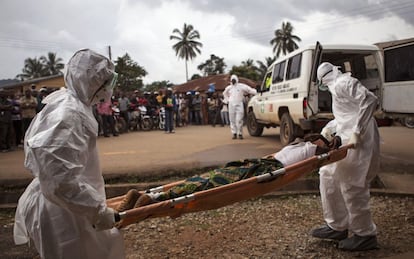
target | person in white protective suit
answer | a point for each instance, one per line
(344, 185)
(235, 93)
(63, 210)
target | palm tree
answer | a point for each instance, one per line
(284, 40)
(33, 68)
(53, 64)
(262, 69)
(186, 46)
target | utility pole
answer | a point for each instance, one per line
(109, 53)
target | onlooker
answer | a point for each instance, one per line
(104, 109)
(204, 110)
(183, 102)
(5, 122)
(124, 109)
(218, 104)
(211, 104)
(177, 114)
(196, 111)
(159, 97)
(225, 112)
(189, 97)
(33, 90)
(42, 94)
(28, 105)
(169, 103)
(17, 120)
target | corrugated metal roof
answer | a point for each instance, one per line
(220, 82)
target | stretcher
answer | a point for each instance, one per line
(227, 194)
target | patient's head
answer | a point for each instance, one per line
(323, 144)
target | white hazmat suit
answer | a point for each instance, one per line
(235, 93)
(63, 210)
(344, 185)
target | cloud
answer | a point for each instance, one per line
(234, 30)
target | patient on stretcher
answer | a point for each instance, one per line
(298, 150)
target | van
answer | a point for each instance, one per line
(289, 96)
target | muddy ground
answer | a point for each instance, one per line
(272, 226)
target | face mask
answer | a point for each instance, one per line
(106, 90)
(233, 81)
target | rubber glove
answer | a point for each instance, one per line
(105, 220)
(354, 140)
(327, 133)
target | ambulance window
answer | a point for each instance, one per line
(371, 66)
(267, 82)
(293, 69)
(399, 64)
(278, 72)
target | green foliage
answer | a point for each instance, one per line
(186, 46)
(284, 40)
(45, 66)
(195, 76)
(157, 85)
(52, 63)
(263, 66)
(247, 70)
(213, 66)
(130, 74)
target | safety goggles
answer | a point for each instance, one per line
(111, 83)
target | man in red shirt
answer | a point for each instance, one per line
(105, 111)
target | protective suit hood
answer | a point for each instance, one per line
(235, 78)
(327, 73)
(87, 74)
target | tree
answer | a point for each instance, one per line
(33, 68)
(52, 64)
(262, 69)
(247, 70)
(284, 40)
(195, 76)
(158, 85)
(213, 66)
(186, 46)
(130, 74)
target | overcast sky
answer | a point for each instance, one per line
(235, 30)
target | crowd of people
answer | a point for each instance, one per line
(181, 109)
(16, 114)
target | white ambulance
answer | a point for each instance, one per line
(289, 97)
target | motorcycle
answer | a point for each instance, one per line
(140, 119)
(119, 121)
(161, 118)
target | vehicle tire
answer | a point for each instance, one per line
(255, 129)
(409, 122)
(146, 124)
(133, 125)
(161, 124)
(120, 125)
(287, 129)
